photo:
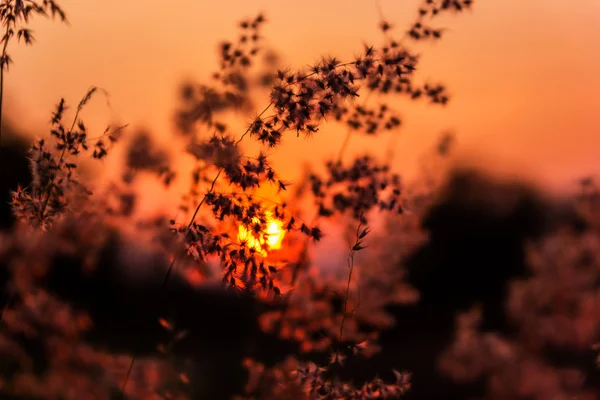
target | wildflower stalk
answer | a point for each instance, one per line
(340, 156)
(3, 57)
(187, 231)
(357, 246)
(60, 159)
(189, 226)
(304, 253)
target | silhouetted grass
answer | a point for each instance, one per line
(472, 288)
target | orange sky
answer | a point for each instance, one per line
(523, 73)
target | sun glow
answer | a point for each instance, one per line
(273, 235)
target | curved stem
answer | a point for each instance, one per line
(353, 251)
(3, 65)
(169, 271)
(189, 227)
(250, 126)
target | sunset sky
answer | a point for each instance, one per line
(523, 74)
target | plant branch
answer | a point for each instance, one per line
(62, 155)
(3, 61)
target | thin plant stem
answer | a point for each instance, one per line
(353, 249)
(189, 227)
(250, 126)
(2, 66)
(170, 270)
(351, 255)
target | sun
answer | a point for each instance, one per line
(274, 233)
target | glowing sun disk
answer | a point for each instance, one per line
(273, 235)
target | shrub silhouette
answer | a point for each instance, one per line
(478, 236)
